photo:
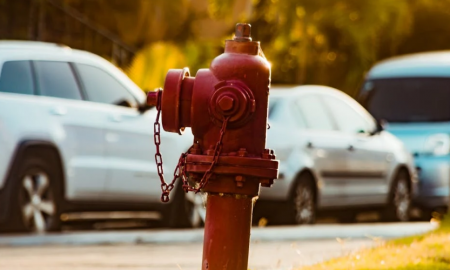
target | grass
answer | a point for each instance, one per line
(430, 251)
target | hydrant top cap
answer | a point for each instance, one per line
(243, 32)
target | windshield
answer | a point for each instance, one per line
(408, 99)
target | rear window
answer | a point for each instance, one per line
(16, 77)
(408, 99)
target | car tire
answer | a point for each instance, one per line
(399, 205)
(35, 197)
(187, 210)
(302, 204)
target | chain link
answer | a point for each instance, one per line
(217, 151)
(180, 169)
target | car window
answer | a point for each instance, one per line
(347, 118)
(314, 112)
(56, 79)
(101, 87)
(407, 99)
(273, 105)
(16, 77)
(299, 118)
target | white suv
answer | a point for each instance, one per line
(75, 135)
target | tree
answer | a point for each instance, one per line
(328, 42)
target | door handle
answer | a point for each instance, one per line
(58, 111)
(351, 148)
(116, 118)
(309, 145)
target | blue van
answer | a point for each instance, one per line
(412, 95)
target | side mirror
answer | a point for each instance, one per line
(144, 107)
(380, 126)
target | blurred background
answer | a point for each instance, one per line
(307, 42)
(332, 43)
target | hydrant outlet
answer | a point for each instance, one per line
(152, 98)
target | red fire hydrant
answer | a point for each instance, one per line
(226, 107)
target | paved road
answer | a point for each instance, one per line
(281, 248)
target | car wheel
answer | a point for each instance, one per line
(303, 201)
(400, 201)
(35, 197)
(187, 210)
(197, 209)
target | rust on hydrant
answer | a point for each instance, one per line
(226, 107)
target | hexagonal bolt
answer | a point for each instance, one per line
(272, 154)
(243, 32)
(225, 103)
(239, 180)
(266, 182)
(195, 149)
(266, 154)
(242, 152)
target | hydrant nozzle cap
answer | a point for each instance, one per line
(152, 98)
(243, 32)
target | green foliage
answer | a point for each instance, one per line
(150, 65)
(328, 42)
(220, 8)
(425, 252)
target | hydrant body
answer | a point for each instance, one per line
(226, 107)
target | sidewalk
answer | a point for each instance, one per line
(263, 255)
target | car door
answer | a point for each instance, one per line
(77, 128)
(367, 156)
(327, 146)
(130, 148)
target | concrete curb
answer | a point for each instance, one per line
(285, 233)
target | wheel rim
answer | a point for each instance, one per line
(37, 204)
(196, 209)
(304, 205)
(402, 200)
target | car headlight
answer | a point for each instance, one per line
(438, 144)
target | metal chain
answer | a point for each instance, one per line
(217, 151)
(180, 169)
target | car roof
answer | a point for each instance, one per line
(428, 64)
(36, 50)
(22, 44)
(285, 91)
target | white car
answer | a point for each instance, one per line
(334, 158)
(76, 136)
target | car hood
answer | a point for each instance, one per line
(415, 135)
